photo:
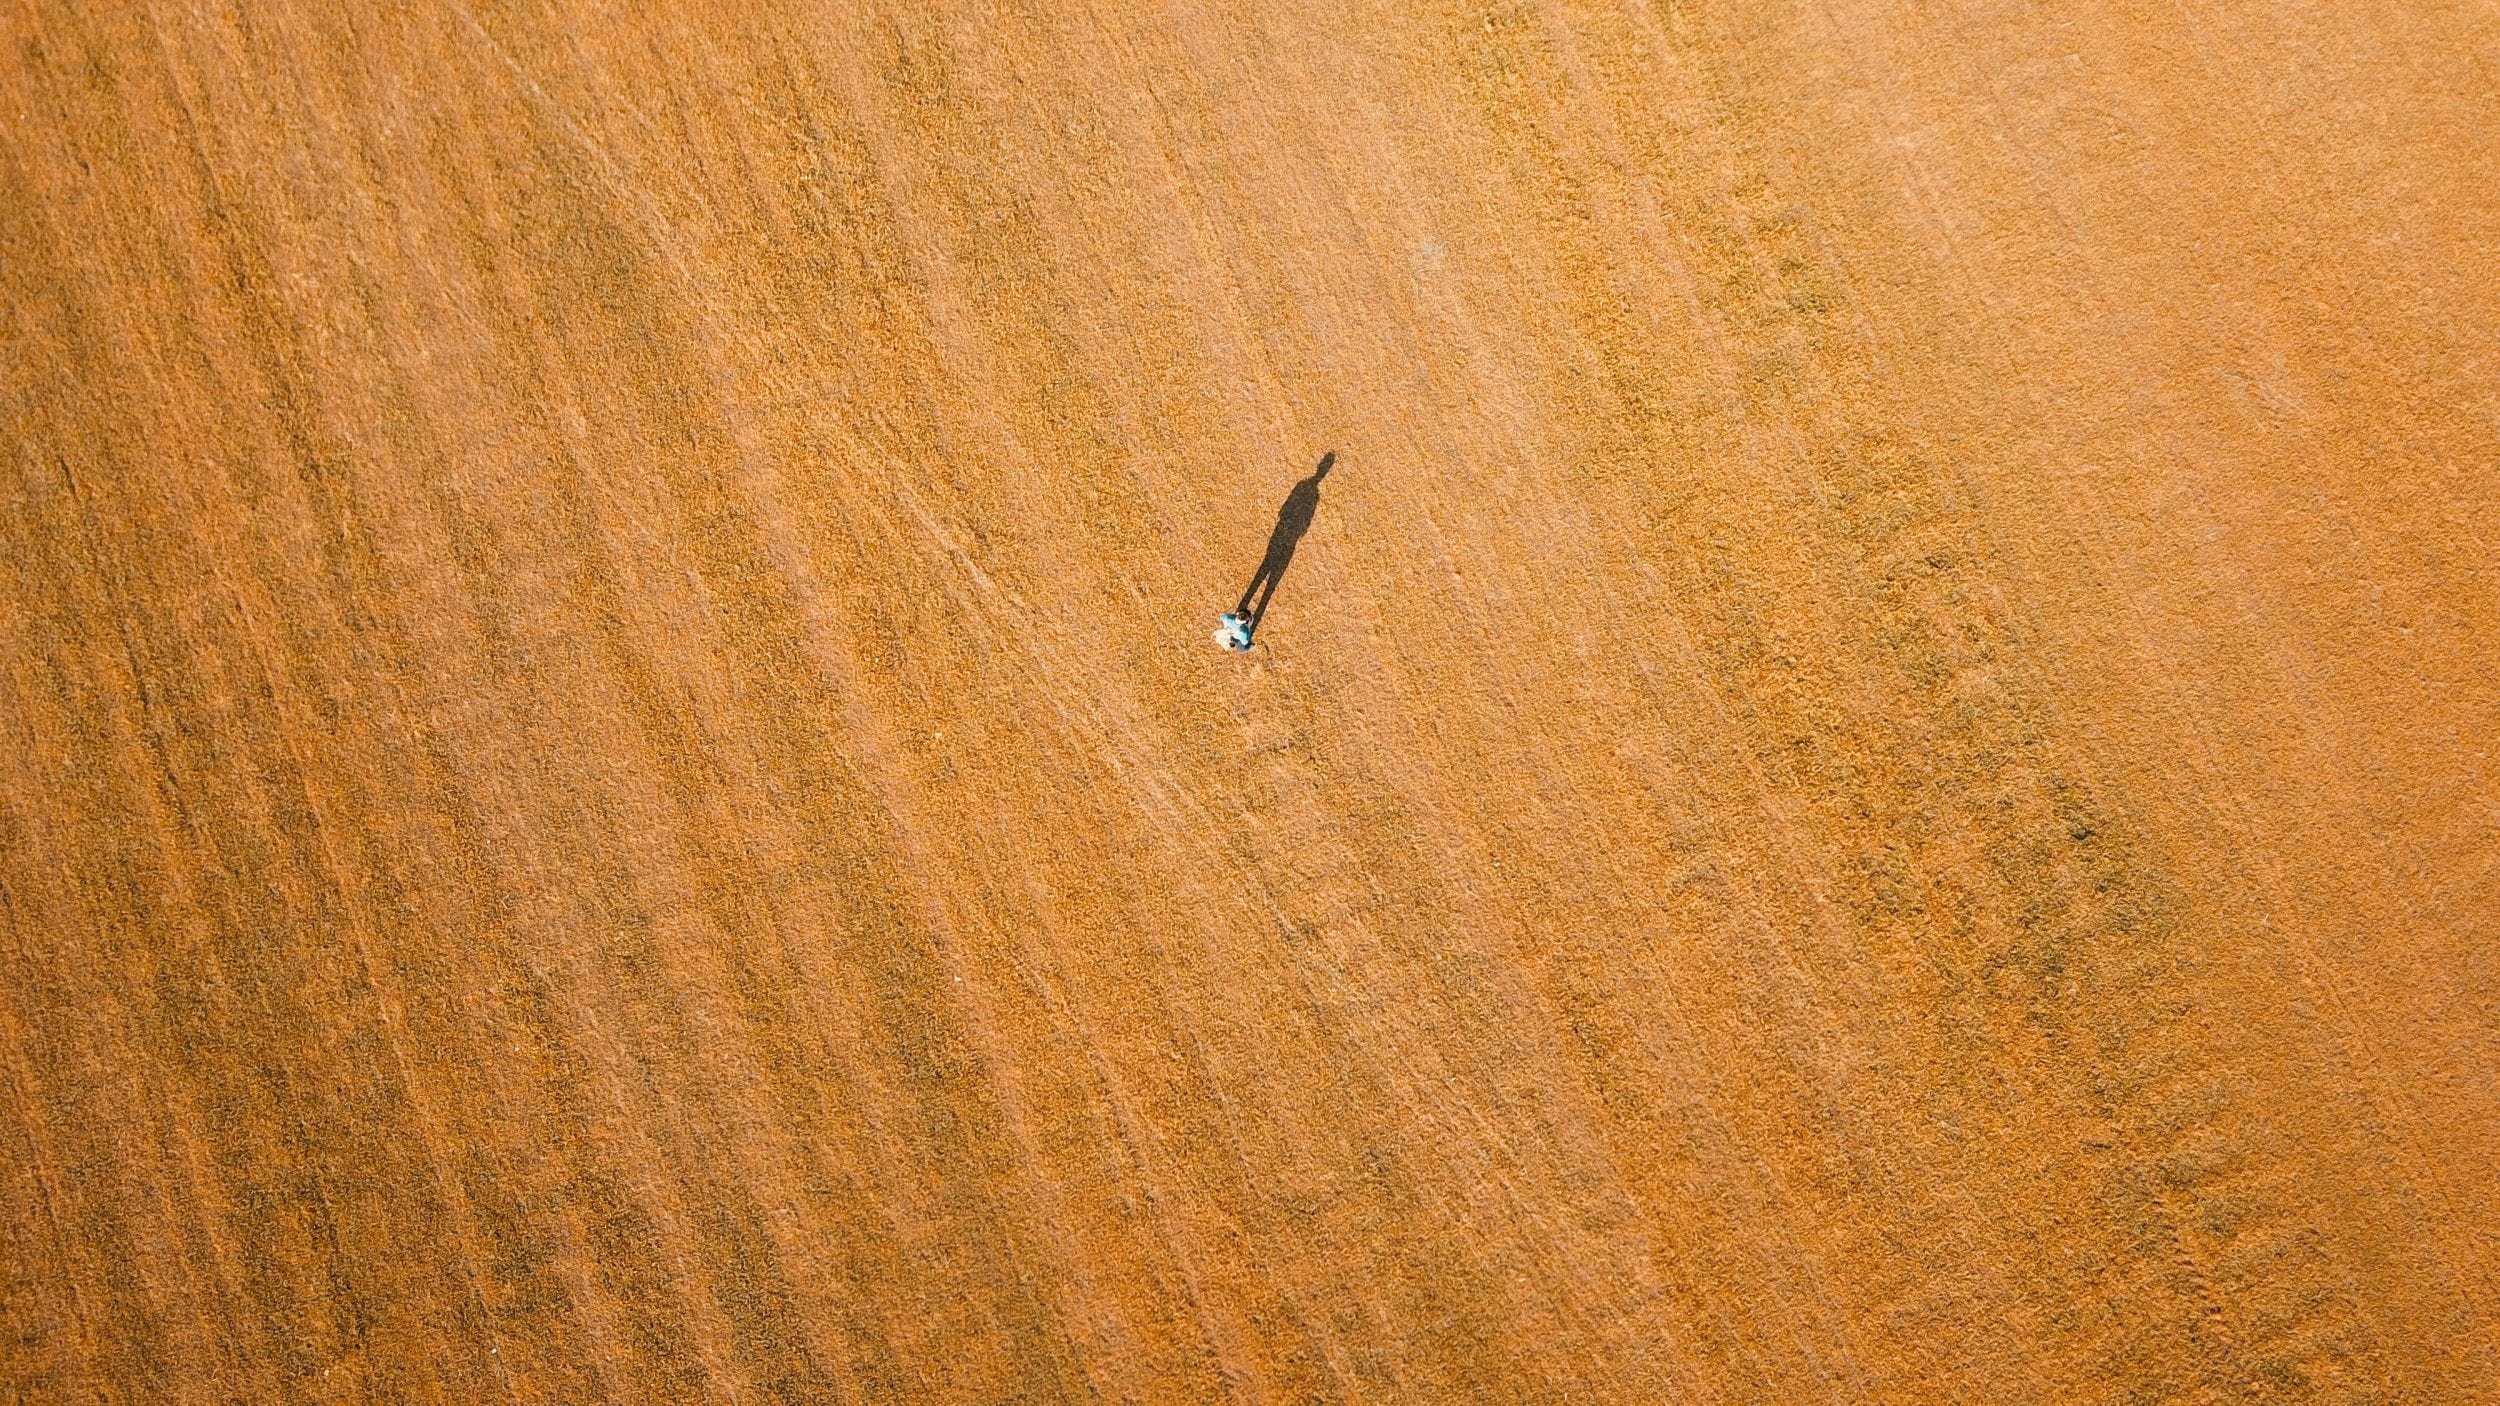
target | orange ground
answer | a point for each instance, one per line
(1872, 786)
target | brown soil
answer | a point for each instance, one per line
(1872, 783)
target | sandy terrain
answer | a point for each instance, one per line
(1871, 784)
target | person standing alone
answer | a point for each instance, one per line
(1236, 629)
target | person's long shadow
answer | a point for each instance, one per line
(1292, 520)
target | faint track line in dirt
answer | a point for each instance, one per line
(1136, 1131)
(1560, 201)
(2345, 1043)
(40, 1168)
(656, 226)
(389, 1002)
(544, 100)
(2348, 1063)
(1755, 199)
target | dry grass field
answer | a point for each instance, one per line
(1872, 784)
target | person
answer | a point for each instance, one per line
(1233, 632)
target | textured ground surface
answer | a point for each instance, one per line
(1872, 785)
